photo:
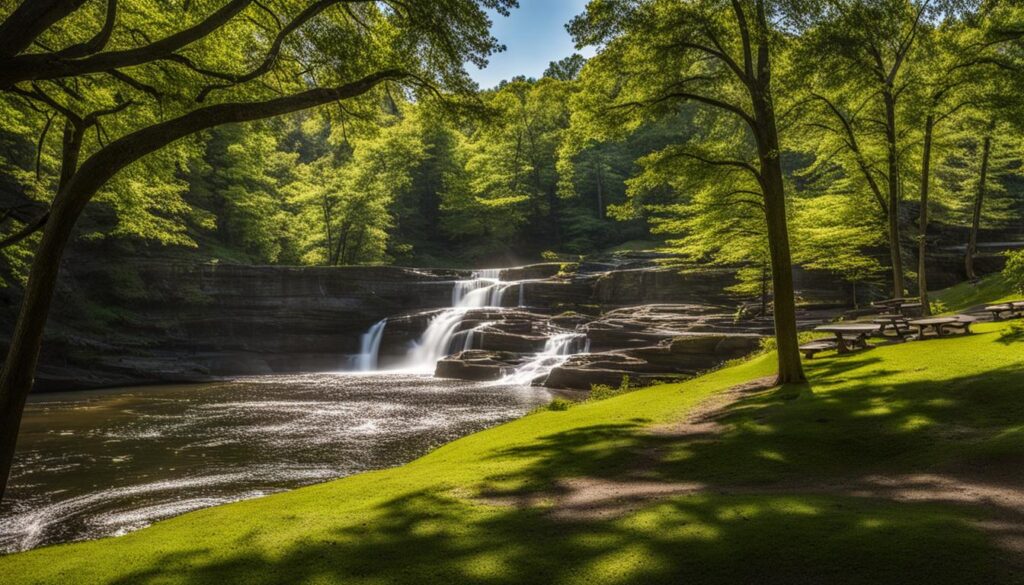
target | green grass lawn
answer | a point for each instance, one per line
(778, 501)
(989, 290)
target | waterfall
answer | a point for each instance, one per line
(369, 347)
(483, 290)
(556, 351)
(438, 340)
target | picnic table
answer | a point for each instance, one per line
(850, 336)
(939, 325)
(1014, 308)
(897, 304)
(898, 323)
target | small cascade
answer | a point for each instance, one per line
(556, 351)
(436, 341)
(483, 290)
(369, 347)
(443, 336)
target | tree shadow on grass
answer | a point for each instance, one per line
(779, 492)
(426, 537)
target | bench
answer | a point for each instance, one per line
(961, 325)
(911, 307)
(998, 310)
(811, 348)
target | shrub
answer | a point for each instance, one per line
(1014, 270)
(560, 404)
(604, 391)
(549, 255)
(1013, 334)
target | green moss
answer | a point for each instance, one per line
(781, 496)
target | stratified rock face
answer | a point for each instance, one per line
(194, 322)
(168, 321)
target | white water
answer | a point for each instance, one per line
(556, 351)
(369, 347)
(485, 289)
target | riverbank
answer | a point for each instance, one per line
(899, 464)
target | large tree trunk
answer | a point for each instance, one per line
(773, 187)
(979, 202)
(922, 242)
(790, 368)
(895, 251)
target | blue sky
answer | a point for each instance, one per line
(534, 36)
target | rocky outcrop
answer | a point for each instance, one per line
(674, 358)
(645, 343)
(476, 364)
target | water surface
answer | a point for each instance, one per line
(103, 463)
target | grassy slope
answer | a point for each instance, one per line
(990, 290)
(941, 406)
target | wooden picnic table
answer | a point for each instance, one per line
(896, 304)
(1013, 308)
(939, 325)
(898, 323)
(844, 331)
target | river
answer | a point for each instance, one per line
(106, 462)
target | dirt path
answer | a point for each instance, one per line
(997, 493)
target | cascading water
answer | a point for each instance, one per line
(369, 347)
(483, 290)
(556, 351)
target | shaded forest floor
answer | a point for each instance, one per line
(901, 464)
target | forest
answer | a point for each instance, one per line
(593, 155)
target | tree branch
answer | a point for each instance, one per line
(50, 66)
(106, 162)
(29, 20)
(275, 47)
(98, 41)
(27, 230)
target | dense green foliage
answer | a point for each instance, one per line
(546, 164)
(499, 507)
(1014, 271)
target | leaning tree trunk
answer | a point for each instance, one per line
(922, 242)
(20, 365)
(979, 202)
(895, 251)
